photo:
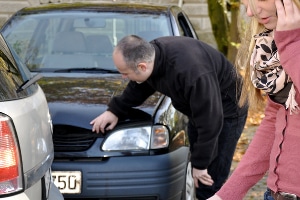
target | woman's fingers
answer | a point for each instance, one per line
(288, 15)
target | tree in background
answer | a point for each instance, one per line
(226, 32)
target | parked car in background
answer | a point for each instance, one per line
(146, 157)
(26, 148)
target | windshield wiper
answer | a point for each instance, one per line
(29, 82)
(93, 70)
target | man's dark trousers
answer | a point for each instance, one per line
(219, 169)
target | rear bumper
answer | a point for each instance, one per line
(160, 176)
(54, 194)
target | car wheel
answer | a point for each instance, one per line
(190, 193)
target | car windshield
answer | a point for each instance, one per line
(53, 41)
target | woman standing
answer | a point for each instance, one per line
(273, 67)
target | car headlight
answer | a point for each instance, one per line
(138, 138)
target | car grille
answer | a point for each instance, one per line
(70, 138)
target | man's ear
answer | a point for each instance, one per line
(142, 67)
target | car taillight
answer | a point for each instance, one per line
(10, 166)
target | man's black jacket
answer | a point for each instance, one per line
(201, 83)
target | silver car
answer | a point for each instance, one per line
(26, 147)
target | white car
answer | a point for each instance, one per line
(26, 146)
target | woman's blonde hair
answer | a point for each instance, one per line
(250, 94)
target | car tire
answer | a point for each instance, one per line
(189, 189)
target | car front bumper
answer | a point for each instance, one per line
(152, 177)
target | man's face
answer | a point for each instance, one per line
(139, 75)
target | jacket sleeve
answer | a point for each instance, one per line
(288, 44)
(255, 161)
(207, 116)
(133, 95)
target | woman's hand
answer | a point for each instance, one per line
(288, 15)
(215, 197)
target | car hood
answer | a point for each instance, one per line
(77, 98)
(80, 88)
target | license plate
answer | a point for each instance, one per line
(68, 182)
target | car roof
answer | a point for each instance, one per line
(116, 7)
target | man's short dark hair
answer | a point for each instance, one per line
(135, 50)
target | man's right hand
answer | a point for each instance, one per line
(104, 122)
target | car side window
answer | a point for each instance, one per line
(185, 26)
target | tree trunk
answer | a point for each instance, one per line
(226, 34)
(234, 35)
(220, 24)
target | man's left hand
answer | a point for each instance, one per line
(202, 176)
